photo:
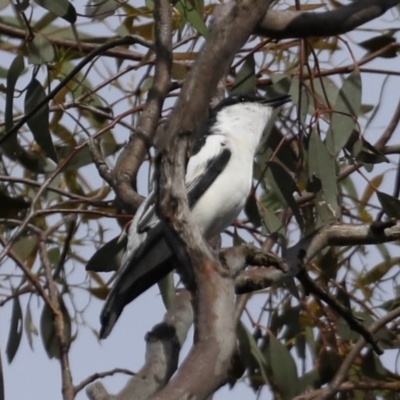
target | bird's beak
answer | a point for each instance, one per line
(277, 101)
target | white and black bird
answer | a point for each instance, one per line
(218, 180)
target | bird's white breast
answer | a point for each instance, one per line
(225, 198)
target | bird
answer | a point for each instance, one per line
(218, 180)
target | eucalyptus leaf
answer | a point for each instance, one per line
(39, 122)
(322, 167)
(346, 111)
(40, 50)
(15, 332)
(245, 82)
(283, 368)
(390, 205)
(62, 8)
(11, 145)
(48, 330)
(192, 15)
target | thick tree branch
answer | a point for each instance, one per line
(351, 235)
(283, 24)
(215, 330)
(130, 161)
(162, 354)
(302, 24)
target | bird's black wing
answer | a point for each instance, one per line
(204, 175)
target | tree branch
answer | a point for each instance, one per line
(162, 354)
(133, 155)
(302, 24)
(352, 234)
(284, 24)
(63, 347)
(215, 330)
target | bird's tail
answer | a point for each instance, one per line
(135, 278)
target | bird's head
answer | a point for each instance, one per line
(244, 117)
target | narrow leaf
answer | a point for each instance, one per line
(62, 8)
(16, 69)
(323, 168)
(192, 15)
(283, 368)
(390, 205)
(40, 50)
(48, 331)
(346, 110)
(245, 82)
(250, 350)
(30, 328)
(15, 332)
(39, 122)
(11, 146)
(287, 186)
(100, 9)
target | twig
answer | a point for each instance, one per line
(67, 385)
(345, 313)
(352, 355)
(98, 51)
(98, 375)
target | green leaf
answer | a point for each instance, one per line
(286, 185)
(250, 351)
(15, 332)
(364, 151)
(4, 4)
(304, 101)
(167, 289)
(272, 222)
(373, 368)
(30, 328)
(21, 6)
(322, 168)
(379, 42)
(62, 8)
(11, 145)
(25, 245)
(48, 331)
(251, 210)
(83, 156)
(192, 15)
(283, 368)
(100, 9)
(16, 69)
(39, 122)
(390, 205)
(100, 293)
(346, 110)
(376, 273)
(40, 50)
(109, 256)
(245, 82)
(309, 381)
